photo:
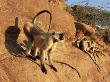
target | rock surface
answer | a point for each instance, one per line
(15, 67)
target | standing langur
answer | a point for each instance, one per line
(30, 29)
(42, 43)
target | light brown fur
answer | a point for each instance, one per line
(84, 44)
(42, 43)
(88, 46)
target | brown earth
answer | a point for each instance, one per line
(15, 67)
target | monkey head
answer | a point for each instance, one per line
(58, 36)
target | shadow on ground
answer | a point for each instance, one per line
(11, 36)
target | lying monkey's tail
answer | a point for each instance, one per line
(43, 11)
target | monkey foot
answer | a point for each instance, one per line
(43, 69)
(53, 68)
(31, 57)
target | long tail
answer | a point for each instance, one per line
(43, 11)
(69, 66)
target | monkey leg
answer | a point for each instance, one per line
(42, 61)
(97, 55)
(100, 53)
(34, 52)
(92, 52)
(50, 60)
(94, 57)
(29, 47)
(30, 50)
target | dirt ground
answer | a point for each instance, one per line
(73, 65)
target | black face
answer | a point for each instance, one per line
(61, 36)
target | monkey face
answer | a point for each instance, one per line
(61, 36)
(58, 36)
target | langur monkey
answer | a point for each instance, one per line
(88, 46)
(42, 43)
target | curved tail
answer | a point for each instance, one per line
(43, 11)
(68, 66)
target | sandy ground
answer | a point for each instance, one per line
(73, 65)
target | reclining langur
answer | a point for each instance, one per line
(83, 45)
(88, 46)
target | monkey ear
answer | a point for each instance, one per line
(53, 33)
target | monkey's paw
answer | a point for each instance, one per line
(43, 69)
(31, 57)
